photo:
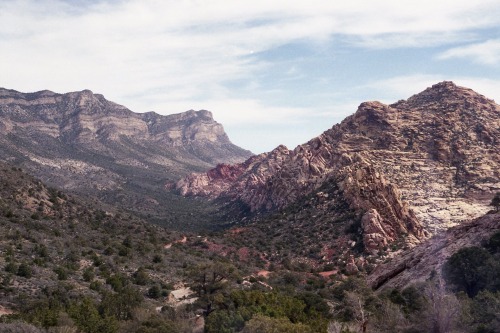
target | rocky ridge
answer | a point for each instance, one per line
(88, 118)
(430, 161)
(80, 141)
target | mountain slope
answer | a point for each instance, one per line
(63, 256)
(79, 141)
(431, 161)
(428, 258)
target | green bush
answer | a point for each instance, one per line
(471, 269)
(25, 270)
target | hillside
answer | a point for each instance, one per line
(305, 232)
(67, 265)
(83, 143)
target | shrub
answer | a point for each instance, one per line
(470, 269)
(25, 270)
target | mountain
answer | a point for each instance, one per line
(307, 226)
(410, 168)
(82, 142)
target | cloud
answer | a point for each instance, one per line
(400, 87)
(170, 56)
(260, 127)
(190, 49)
(487, 53)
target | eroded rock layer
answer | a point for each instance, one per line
(430, 161)
(428, 258)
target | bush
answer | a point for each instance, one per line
(470, 269)
(25, 270)
(88, 274)
(154, 292)
(62, 273)
(141, 277)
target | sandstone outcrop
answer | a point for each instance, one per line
(431, 161)
(419, 263)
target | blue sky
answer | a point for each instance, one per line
(272, 72)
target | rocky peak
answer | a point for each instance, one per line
(183, 128)
(431, 160)
(84, 116)
(450, 97)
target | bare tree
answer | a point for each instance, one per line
(390, 318)
(443, 309)
(337, 327)
(357, 304)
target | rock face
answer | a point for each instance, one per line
(418, 264)
(430, 161)
(88, 119)
(82, 142)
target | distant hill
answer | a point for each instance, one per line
(82, 142)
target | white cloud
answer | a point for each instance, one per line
(487, 53)
(262, 128)
(170, 56)
(400, 87)
(133, 47)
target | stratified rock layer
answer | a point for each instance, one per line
(89, 120)
(82, 142)
(432, 160)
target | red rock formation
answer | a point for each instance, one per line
(432, 159)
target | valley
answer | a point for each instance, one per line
(114, 221)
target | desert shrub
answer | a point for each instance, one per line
(88, 319)
(25, 270)
(471, 269)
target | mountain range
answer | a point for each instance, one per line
(83, 143)
(331, 235)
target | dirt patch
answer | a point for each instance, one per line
(180, 241)
(263, 273)
(237, 231)
(327, 274)
(5, 311)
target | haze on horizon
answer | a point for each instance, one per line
(271, 72)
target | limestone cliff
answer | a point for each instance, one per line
(85, 118)
(82, 142)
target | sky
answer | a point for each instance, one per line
(272, 72)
